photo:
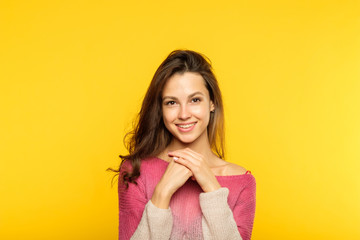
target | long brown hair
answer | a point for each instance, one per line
(149, 136)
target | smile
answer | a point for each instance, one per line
(186, 127)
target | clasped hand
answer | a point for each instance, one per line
(187, 163)
(197, 167)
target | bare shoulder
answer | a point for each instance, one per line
(234, 169)
(224, 168)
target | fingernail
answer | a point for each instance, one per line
(175, 158)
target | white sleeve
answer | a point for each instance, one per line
(218, 221)
(155, 223)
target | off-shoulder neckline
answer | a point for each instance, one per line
(248, 173)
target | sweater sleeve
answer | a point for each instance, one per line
(138, 217)
(155, 223)
(219, 222)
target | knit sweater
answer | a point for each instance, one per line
(226, 213)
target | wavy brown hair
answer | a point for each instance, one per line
(149, 136)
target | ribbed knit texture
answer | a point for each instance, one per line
(193, 214)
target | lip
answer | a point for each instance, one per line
(186, 129)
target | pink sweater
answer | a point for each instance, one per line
(193, 214)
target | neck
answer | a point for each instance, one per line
(201, 146)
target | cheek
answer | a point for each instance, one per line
(201, 112)
(169, 115)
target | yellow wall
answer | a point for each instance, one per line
(73, 74)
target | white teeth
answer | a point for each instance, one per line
(187, 125)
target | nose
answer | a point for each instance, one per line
(184, 113)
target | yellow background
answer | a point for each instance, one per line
(73, 74)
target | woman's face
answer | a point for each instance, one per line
(186, 107)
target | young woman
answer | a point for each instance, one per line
(174, 183)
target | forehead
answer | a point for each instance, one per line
(185, 84)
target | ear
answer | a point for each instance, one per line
(212, 106)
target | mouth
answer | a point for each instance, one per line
(186, 127)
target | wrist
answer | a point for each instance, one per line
(161, 197)
(212, 187)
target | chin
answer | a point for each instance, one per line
(186, 139)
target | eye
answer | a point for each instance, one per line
(195, 100)
(170, 103)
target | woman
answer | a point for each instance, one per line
(174, 184)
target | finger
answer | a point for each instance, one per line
(177, 161)
(196, 161)
(193, 152)
(194, 168)
(175, 158)
(175, 165)
(186, 155)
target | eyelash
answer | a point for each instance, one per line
(170, 103)
(194, 100)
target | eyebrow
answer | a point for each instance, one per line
(190, 96)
